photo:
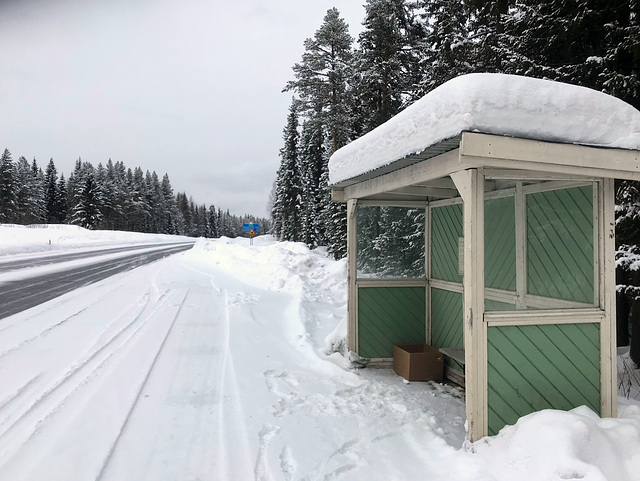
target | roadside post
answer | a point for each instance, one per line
(251, 229)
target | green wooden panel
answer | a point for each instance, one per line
(491, 305)
(446, 228)
(538, 367)
(388, 316)
(500, 244)
(446, 319)
(560, 244)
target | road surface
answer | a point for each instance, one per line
(22, 293)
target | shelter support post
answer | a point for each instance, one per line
(608, 377)
(470, 184)
(352, 292)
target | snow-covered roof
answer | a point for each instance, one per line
(494, 104)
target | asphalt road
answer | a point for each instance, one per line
(17, 296)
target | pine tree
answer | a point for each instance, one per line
(286, 213)
(322, 77)
(322, 85)
(8, 189)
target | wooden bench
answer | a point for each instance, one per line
(454, 370)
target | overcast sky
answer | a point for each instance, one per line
(191, 88)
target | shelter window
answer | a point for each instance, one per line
(391, 242)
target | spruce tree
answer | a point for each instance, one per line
(443, 42)
(8, 189)
(51, 194)
(87, 209)
(287, 207)
(387, 61)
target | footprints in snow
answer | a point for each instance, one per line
(240, 298)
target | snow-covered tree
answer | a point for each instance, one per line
(322, 84)
(8, 188)
(322, 76)
(444, 42)
(386, 61)
(86, 211)
(287, 208)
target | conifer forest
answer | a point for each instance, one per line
(109, 196)
(343, 87)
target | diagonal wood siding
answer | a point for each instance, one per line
(531, 368)
(388, 316)
(560, 244)
(446, 319)
(446, 228)
(500, 243)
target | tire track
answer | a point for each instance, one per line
(14, 436)
(123, 427)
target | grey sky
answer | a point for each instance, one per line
(187, 87)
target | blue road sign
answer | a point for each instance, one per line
(251, 229)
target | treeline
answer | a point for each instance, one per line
(343, 87)
(109, 196)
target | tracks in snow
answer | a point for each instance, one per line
(61, 368)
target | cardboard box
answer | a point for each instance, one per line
(418, 362)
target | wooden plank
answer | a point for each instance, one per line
(470, 184)
(483, 150)
(417, 204)
(352, 289)
(521, 246)
(390, 282)
(454, 353)
(553, 316)
(609, 400)
(416, 174)
(528, 175)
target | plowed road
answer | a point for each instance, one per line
(51, 276)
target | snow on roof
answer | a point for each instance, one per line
(494, 104)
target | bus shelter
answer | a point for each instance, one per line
(480, 220)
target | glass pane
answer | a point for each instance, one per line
(390, 242)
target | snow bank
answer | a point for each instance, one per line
(565, 445)
(51, 238)
(494, 104)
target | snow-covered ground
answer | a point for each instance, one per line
(223, 363)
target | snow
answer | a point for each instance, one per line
(494, 104)
(20, 241)
(228, 362)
